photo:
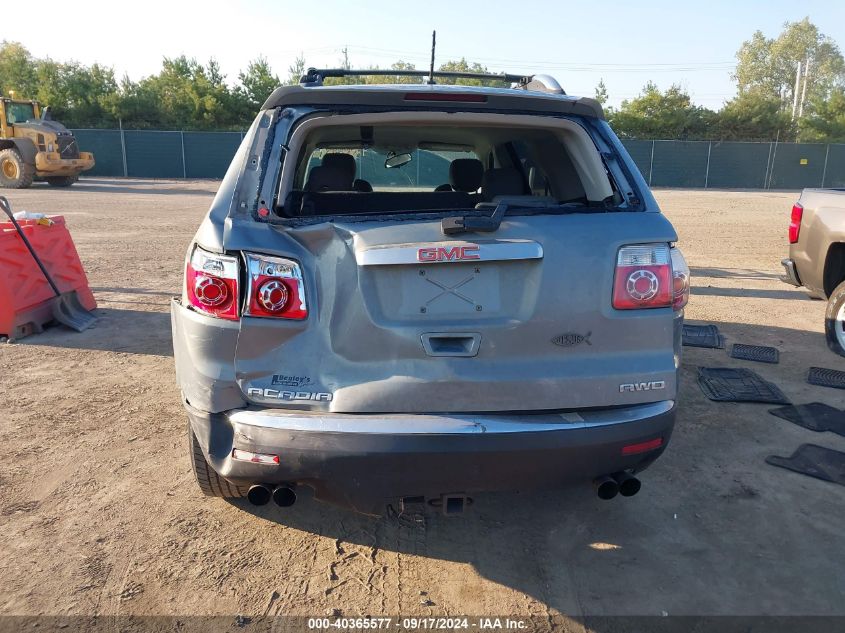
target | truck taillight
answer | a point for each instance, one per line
(211, 284)
(274, 287)
(795, 222)
(643, 277)
(680, 280)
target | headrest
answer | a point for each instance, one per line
(502, 181)
(323, 178)
(344, 162)
(465, 174)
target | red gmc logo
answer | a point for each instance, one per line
(444, 254)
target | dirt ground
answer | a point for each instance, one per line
(99, 513)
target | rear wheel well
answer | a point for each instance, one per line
(834, 267)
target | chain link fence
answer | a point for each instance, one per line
(663, 163)
(739, 165)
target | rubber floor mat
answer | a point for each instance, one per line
(815, 461)
(727, 384)
(815, 416)
(826, 377)
(757, 353)
(703, 336)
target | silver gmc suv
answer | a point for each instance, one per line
(413, 293)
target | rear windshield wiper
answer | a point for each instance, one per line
(487, 224)
(474, 223)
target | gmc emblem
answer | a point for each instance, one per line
(447, 254)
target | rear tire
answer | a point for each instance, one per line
(61, 181)
(211, 484)
(834, 320)
(15, 173)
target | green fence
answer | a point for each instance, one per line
(732, 164)
(156, 154)
(663, 163)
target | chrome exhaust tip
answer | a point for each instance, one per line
(284, 496)
(606, 487)
(259, 495)
(628, 484)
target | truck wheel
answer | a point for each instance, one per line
(834, 320)
(211, 484)
(14, 172)
(61, 181)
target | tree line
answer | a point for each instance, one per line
(187, 94)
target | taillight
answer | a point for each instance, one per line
(680, 280)
(211, 282)
(795, 222)
(275, 287)
(643, 277)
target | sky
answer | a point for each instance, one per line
(624, 43)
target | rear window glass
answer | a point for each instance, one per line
(426, 169)
(350, 169)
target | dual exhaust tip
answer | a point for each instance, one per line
(606, 487)
(282, 496)
(621, 483)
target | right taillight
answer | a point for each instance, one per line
(643, 277)
(274, 287)
(795, 222)
(680, 280)
(211, 284)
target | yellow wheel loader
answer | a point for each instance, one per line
(33, 146)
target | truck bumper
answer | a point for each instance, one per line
(790, 275)
(52, 164)
(365, 461)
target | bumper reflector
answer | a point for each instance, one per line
(256, 458)
(642, 447)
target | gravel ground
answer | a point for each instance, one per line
(99, 513)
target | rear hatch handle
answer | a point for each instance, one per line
(461, 344)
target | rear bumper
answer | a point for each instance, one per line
(365, 461)
(51, 164)
(790, 274)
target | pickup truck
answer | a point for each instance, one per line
(817, 255)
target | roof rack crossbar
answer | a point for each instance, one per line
(315, 76)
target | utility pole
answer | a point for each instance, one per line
(796, 90)
(804, 90)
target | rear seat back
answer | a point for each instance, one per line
(313, 202)
(502, 181)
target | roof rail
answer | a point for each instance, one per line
(315, 76)
(544, 83)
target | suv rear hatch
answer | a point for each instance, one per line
(402, 318)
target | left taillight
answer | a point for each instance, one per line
(274, 288)
(211, 283)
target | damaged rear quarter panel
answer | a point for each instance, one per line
(204, 354)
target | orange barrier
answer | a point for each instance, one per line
(25, 295)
